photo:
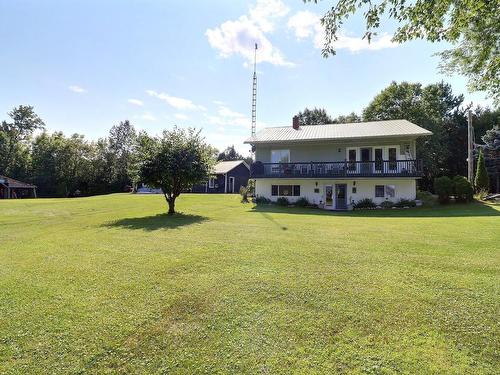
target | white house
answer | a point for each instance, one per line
(336, 165)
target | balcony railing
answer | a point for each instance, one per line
(338, 169)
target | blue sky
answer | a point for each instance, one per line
(86, 65)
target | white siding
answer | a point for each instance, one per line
(365, 188)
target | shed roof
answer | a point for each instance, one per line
(4, 180)
(371, 129)
(226, 166)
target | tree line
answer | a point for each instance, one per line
(434, 107)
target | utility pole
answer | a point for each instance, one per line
(470, 146)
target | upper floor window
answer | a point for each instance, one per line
(392, 158)
(352, 159)
(280, 156)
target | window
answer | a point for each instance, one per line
(211, 182)
(379, 191)
(392, 158)
(390, 191)
(285, 190)
(352, 159)
(280, 156)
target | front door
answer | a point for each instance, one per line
(230, 187)
(340, 196)
(329, 196)
(365, 160)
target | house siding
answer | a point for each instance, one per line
(365, 188)
(240, 173)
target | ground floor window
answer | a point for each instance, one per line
(211, 183)
(379, 191)
(285, 190)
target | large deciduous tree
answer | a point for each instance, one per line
(175, 162)
(471, 26)
(315, 116)
(15, 136)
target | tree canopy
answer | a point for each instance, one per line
(175, 162)
(472, 27)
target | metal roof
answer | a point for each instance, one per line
(10, 182)
(226, 166)
(371, 129)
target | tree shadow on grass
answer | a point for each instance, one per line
(475, 209)
(156, 222)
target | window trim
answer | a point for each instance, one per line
(277, 189)
(287, 151)
(383, 189)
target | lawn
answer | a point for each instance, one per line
(110, 284)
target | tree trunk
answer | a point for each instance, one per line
(171, 205)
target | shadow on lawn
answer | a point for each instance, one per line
(452, 210)
(155, 222)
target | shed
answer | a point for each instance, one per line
(11, 188)
(228, 177)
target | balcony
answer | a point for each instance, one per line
(338, 169)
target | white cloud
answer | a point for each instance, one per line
(238, 37)
(148, 117)
(181, 116)
(136, 102)
(176, 102)
(306, 25)
(226, 112)
(77, 89)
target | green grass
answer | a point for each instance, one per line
(110, 284)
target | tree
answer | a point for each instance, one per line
(433, 107)
(472, 27)
(14, 140)
(175, 162)
(316, 116)
(482, 180)
(229, 154)
(351, 117)
(491, 138)
(122, 143)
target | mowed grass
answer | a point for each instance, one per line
(110, 284)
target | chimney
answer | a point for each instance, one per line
(295, 122)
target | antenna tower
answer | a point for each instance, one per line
(254, 92)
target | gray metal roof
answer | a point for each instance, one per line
(371, 129)
(225, 166)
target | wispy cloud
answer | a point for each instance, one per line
(181, 116)
(307, 25)
(176, 102)
(77, 89)
(237, 37)
(227, 118)
(136, 102)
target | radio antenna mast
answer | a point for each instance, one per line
(254, 92)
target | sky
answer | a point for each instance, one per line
(85, 65)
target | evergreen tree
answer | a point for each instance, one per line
(482, 180)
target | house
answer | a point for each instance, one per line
(10, 188)
(337, 165)
(228, 177)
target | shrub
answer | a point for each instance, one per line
(262, 200)
(364, 203)
(427, 198)
(480, 195)
(444, 188)
(251, 188)
(462, 189)
(302, 202)
(387, 204)
(482, 181)
(405, 203)
(244, 194)
(282, 201)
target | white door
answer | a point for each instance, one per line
(230, 187)
(329, 197)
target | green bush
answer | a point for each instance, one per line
(480, 195)
(428, 199)
(262, 200)
(244, 194)
(302, 202)
(405, 203)
(387, 204)
(462, 189)
(444, 188)
(282, 201)
(364, 203)
(482, 180)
